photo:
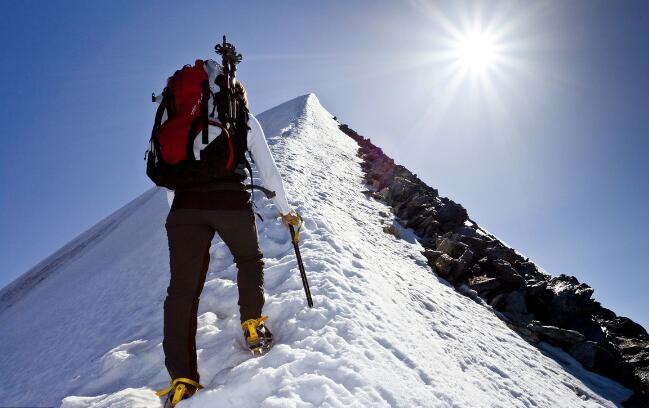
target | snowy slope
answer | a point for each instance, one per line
(384, 330)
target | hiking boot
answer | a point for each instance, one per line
(179, 389)
(258, 338)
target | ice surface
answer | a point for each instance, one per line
(384, 330)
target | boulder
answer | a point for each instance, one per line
(527, 334)
(496, 300)
(449, 212)
(475, 270)
(637, 400)
(449, 246)
(641, 376)
(392, 230)
(499, 251)
(624, 326)
(461, 269)
(593, 357)
(431, 255)
(483, 284)
(634, 351)
(476, 243)
(459, 252)
(529, 270)
(563, 301)
(429, 228)
(465, 231)
(444, 265)
(514, 304)
(400, 190)
(503, 271)
(556, 334)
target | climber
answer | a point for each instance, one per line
(201, 133)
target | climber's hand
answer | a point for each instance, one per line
(291, 218)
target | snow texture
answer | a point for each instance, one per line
(84, 327)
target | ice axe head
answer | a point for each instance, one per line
(229, 55)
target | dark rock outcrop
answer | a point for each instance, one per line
(539, 307)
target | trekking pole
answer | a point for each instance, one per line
(295, 235)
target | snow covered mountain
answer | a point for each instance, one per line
(84, 327)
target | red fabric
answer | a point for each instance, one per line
(185, 86)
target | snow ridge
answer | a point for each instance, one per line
(384, 330)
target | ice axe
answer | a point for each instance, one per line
(295, 236)
(230, 59)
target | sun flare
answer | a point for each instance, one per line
(476, 51)
(471, 59)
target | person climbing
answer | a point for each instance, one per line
(202, 131)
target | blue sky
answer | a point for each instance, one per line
(547, 150)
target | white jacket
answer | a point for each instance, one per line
(270, 177)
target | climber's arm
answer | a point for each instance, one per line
(266, 166)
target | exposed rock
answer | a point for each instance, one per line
(465, 231)
(503, 271)
(455, 266)
(462, 266)
(637, 400)
(642, 377)
(496, 300)
(444, 265)
(432, 255)
(477, 243)
(467, 291)
(594, 357)
(525, 333)
(556, 334)
(500, 252)
(483, 284)
(450, 213)
(634, 351)
(624, 326)
(475, 270)
(391, 229)
(529, 270)
(564, 302)
(514, 304)
(373, 194)
(400, 189)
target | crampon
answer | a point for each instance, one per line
(178, 390)
(258, 338)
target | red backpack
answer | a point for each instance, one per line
(183, 115)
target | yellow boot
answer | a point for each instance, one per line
(258, 338)
(178, 390)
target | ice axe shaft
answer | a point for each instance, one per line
(300, 265)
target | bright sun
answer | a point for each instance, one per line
(473, 53)
(476, 51)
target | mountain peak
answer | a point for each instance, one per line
(305, 108)
(301, 103)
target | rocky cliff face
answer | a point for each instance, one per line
(555, 309)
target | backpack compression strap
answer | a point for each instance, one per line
(268, 193)
(205, 87)
(230, 163)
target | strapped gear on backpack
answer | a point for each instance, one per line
(177, 156)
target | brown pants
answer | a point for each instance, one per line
(190, 234)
